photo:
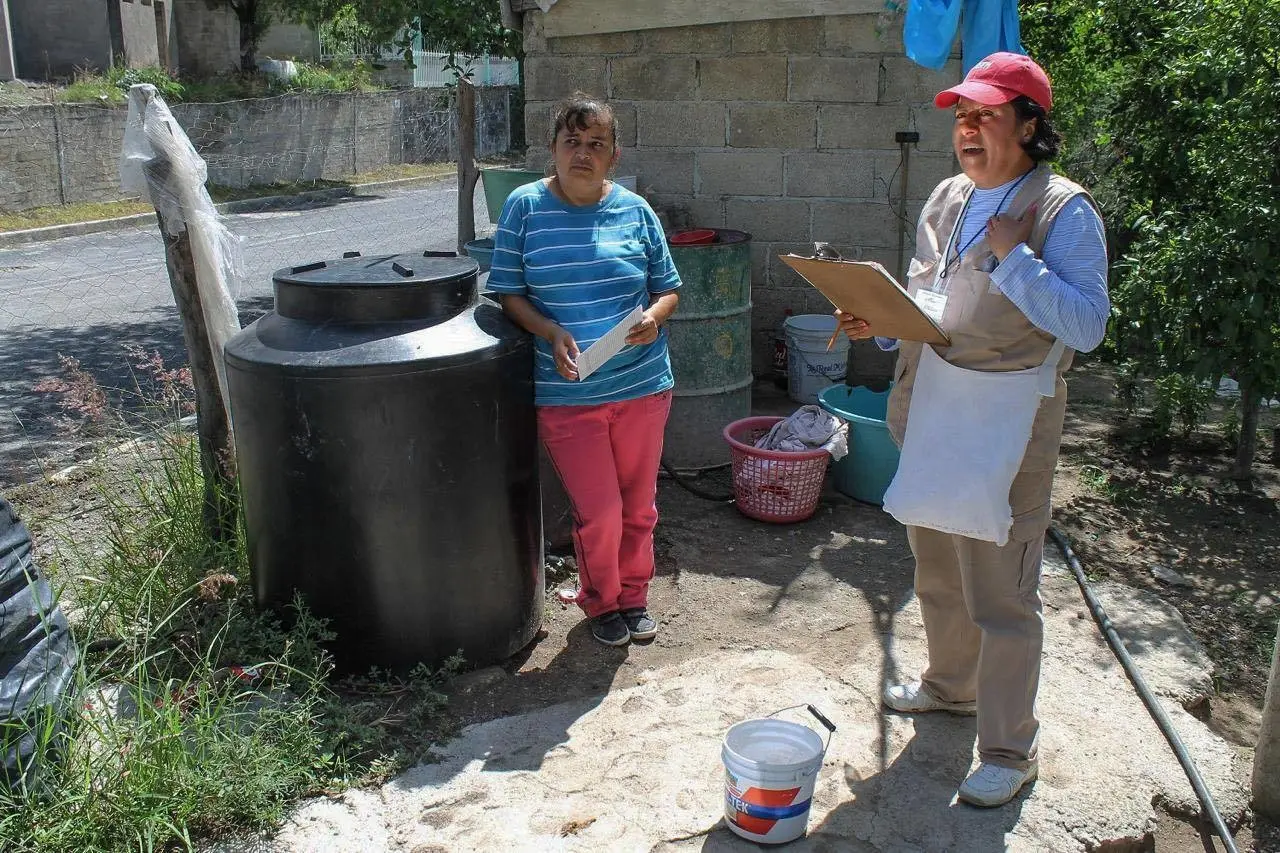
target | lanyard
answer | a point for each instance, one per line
(955, 232)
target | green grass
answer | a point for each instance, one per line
(226, 714)
(112, 86)
(41, 217)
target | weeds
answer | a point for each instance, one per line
(1103, 484)
(112, 87)
(81, 400)
(195, 714)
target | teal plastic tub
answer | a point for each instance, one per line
(481, 250)
(873, 457)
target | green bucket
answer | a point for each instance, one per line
(866, 472)
(499, 183)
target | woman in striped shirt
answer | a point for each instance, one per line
(574, 254)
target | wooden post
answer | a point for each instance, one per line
(1266, 759)
(213, 430)
(468, 173)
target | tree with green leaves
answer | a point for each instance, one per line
(461, 27)
(1171, 110)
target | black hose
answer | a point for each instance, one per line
(1144, 692)
(684, 483)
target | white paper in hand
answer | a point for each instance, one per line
(610, 344)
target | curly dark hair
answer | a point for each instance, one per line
(1045, 140)
(578, 112)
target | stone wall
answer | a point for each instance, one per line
(782, 128)
(65, 154)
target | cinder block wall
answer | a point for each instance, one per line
(138, 32)
(208, 38)
(55, 38)
(782, 128)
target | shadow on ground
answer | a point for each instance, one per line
(33, 439)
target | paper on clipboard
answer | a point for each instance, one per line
(610, 344)
(867, 290)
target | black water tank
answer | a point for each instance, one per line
(387, 445)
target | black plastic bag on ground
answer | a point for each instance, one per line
(37, 657)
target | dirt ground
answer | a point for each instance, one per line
(1173, 507)
(1125, 507)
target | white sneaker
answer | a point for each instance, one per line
(915, 698)
(992, 785)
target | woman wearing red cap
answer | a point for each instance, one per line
(1011, 262)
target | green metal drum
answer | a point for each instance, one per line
(710, 340)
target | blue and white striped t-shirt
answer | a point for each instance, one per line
(586, 267)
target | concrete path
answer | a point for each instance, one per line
(639, 768)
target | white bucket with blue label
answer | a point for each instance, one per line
(810, 368)
(770, 768)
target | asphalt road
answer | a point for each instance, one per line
(88, 297)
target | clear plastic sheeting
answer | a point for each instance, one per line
(159, 163)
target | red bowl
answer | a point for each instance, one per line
(692, 237)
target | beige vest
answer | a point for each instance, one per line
(988, 332)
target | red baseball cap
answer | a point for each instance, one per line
(998, 79)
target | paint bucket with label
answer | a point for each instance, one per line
(770, 768)
(810, 368)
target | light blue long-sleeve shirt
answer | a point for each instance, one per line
(1065, 294)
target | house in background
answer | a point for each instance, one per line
(775, 117)
(49, 39)
(53, 39)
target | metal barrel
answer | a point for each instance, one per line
(710, 341)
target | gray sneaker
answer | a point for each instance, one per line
(640, 625)
(609, 629)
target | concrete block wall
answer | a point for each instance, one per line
(51, 155)
(138, 33)
(782, 128)
(55, 38)
(208, 38)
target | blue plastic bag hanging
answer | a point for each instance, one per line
(929, 30)
(990, 26)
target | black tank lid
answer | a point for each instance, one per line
(430, 288)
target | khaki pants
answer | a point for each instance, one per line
(985, 629)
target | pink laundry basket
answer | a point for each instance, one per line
(773, 485)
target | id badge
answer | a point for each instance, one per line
(932, 303)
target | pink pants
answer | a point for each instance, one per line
(607, 456)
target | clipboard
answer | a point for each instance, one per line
(867, 290)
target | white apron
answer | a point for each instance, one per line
(967, 432)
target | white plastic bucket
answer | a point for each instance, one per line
(770, 767)
(810, 368)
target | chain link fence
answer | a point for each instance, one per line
(298, 177)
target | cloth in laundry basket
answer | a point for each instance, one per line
(809, 428)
